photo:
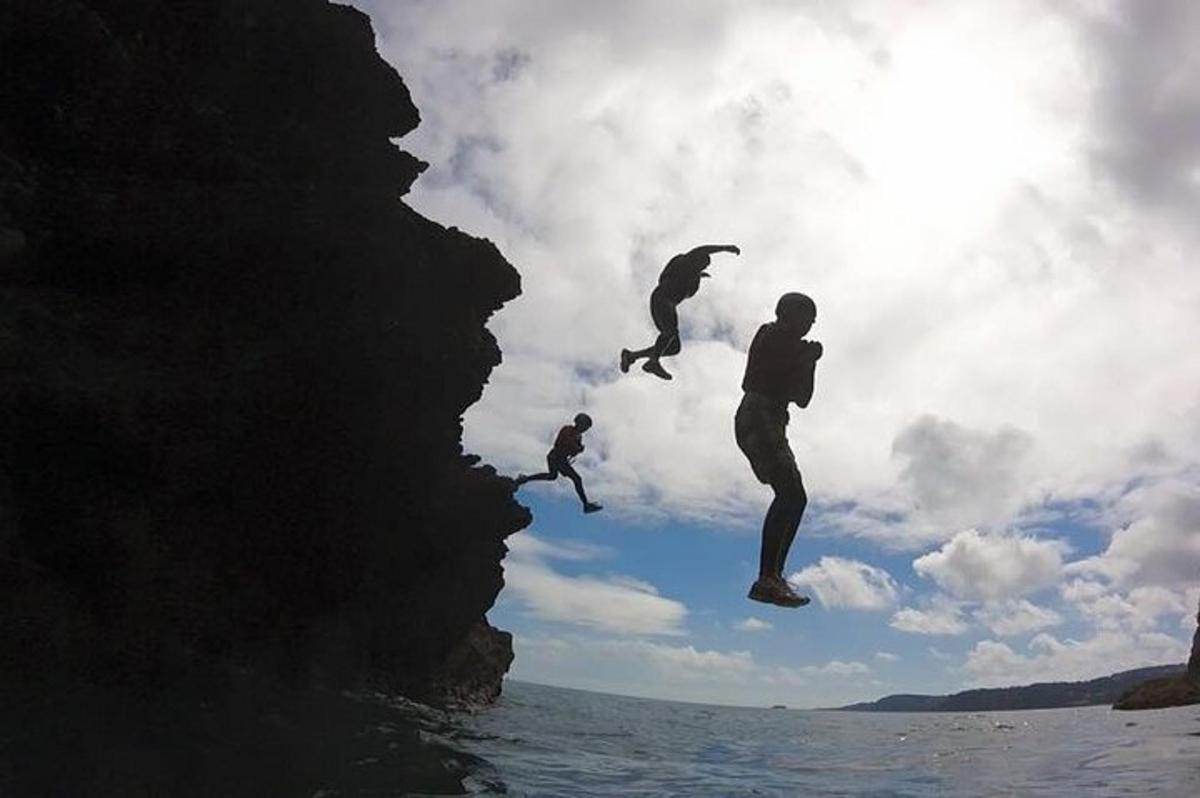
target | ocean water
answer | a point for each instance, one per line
(545, 741)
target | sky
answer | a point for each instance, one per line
(992, 205)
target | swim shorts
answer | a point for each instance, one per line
(760, 427)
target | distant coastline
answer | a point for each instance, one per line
(1042, 695)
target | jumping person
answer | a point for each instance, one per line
(679, 280)
(567, 444)
(779, 370)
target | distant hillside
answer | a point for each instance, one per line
(1044, 695)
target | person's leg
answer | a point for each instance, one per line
(779, 527)
(543, 477)
(773, 532)
(666, 319)
(549, 475)
(570, 473)
(631, 356)
(665, 315)
(792, 500)
(762, 438)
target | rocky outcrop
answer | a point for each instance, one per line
(234, 361)
(1172, 691)
(1194, 660)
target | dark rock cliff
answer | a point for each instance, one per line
(1172, 691)
(1194, 660)
(234, 362)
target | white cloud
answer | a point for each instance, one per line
(942, 617)
(886, 656)
(960, 477)
(684, 672)
(939, 655)
(684, 663)
(592, 146)
(1140, 609)
(618, 604)
(1015, 617)
(529, 546)
(840, 582)
(1158, 541)
(753, 625)
(980, 356)
(980, 567)
(994, 664)
(836, 667)
(1145, 52)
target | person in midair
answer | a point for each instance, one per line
(567, 444)
(780, 369)
(679, 280)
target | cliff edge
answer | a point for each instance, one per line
(235, 362)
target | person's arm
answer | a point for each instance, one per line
(698, 258)
(712, 249)
(806, 371)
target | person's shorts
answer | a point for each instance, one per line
(760, 427)
(559, 465)
(663, 311)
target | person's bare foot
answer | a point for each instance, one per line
(655, 368)
(626, 360)
(592, 507)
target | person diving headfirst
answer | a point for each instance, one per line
(780, 369)
(567, 444)
(679, 279)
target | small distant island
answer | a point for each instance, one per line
(1043, 695)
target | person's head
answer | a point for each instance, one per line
(583, 422)
(796, 311)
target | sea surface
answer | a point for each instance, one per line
(551, 741)
(246, 738)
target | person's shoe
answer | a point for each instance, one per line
(771, 591)
(592, 507)
(626, 360)
(762, 591)
(655, 368)
(789, 597)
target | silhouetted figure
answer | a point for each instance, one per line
(779, 370)
(679, 280)
(567, 444)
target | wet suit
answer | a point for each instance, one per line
(679, 280)
(567, 444)
(780, 369)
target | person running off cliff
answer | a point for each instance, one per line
(679, 280)
(567, 444)
(780, 369)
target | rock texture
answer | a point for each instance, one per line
(1194, 660)
(1172, 691)
(234, 362)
